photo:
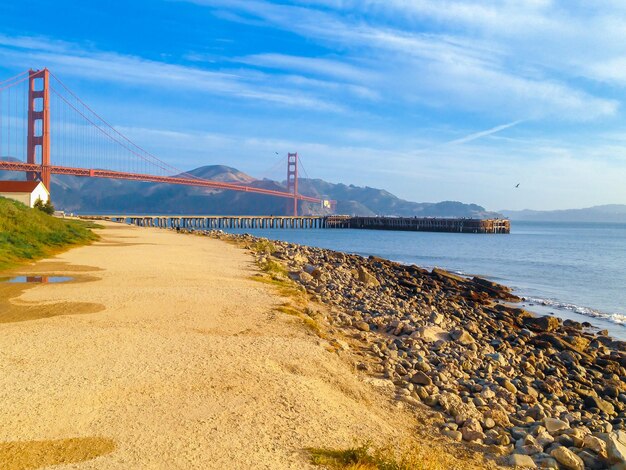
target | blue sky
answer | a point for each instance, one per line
(430, 99)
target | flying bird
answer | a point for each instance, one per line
(517, 185)
(276, 153)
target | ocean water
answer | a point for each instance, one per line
(572, 270)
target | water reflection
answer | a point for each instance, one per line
(35, 279)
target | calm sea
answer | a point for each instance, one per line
(573, 270)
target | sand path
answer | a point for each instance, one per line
(182, 363)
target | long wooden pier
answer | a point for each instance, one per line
(421, 224)
(212, 222)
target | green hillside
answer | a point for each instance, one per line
(28, 234)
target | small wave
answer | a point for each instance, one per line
(617, 318)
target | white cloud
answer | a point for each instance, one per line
(612, 70)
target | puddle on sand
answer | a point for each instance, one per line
(36, 279)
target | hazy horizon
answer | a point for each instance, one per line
(456, 100)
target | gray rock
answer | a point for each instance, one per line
(366, 278)
(462, 337)
(545, 323)
(304, 277)
(313, 271)
(591, 461)
(431, 334)
(453, 434)
(544, 439)
(472, 435)
(488, 423)
(554, 425)
(545, 461)
(420, 378)
(521, 461)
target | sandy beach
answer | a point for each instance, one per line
(164, 353)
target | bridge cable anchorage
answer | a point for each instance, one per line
(41, 119)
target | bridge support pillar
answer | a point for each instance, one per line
(38, 139)
(292, 179)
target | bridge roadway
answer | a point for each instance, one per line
(211, 222)
(186, 181)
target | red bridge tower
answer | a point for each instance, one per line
(292, 179)
(38, 140)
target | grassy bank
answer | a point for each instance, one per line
(28, 234)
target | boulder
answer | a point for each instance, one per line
(591, 460)
(299, 258)
(420, 378)
(594, 443)
(472, 430)
(568, 459)
(432, 334)
(447, 275)
(452, 434)
(554, 425)
(366, 278)
(462, 337)
(304, 277)
(579, 343)
(313, 271)
(521, 461)
(455, 407)
(545, 323)
(591, 401)
(616, 447)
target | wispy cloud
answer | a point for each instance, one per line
(319, 66)
(481, 134)
(481, 74)
(554, 173)
(69, 59)
(467, 138)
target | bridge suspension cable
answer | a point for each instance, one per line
(45, 128)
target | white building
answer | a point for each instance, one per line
(26, 192)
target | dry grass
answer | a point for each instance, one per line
(366, 457)
(285, 287)
(263, 246)
(274, 268)
(306, 317)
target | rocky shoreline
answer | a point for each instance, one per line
(540, 391)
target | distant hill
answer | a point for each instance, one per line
(222, 173)
(98, 195)
(355, 200)
(607, 213)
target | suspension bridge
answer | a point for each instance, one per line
(46, 129)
